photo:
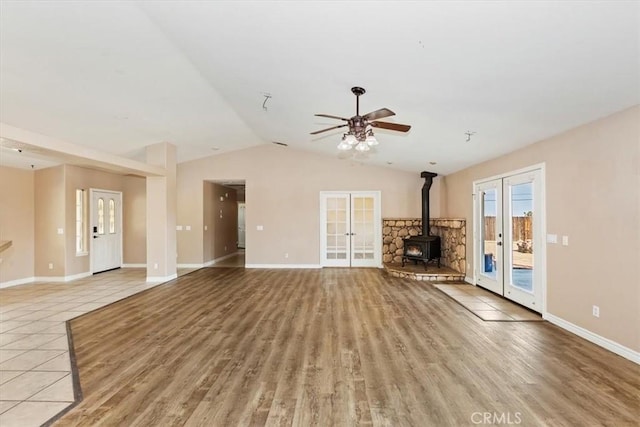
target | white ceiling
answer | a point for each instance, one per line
(118, 76)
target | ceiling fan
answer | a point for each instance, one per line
(360, 134)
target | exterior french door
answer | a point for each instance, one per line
(350, 234)
(510, 237)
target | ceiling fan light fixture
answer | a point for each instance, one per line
(350, 139)
(370, 139)
(362, 147)
(344, 145)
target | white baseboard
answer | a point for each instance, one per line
(17, 282)
(134, 265)
(469, 280)
(610, 345)
(160, 279)
(283, 266)
(190, 265)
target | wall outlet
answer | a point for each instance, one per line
(565, 240)
(596, 311)
(179, 227)
(187, 227)
(50, 266)
(155, 266)
(60, 231)
(286, 254)
(225, 248)
(552, 238)
(205, 228)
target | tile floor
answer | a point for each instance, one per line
(487, 305)
(36, 382)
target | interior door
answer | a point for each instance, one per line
(241, 225)
(350, 229)
(106, 230)
(509, 235)
(335, 223)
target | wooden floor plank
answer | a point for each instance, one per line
(229, 346)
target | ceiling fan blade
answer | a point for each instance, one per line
(332, 117)
(391, 126)
(331, 128)
(379, 114)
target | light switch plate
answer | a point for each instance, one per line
(259, 227)
(565, 240)
(60, 231)
(179, 227)
(552, 238)
(187, 227)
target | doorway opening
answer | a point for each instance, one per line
(223, 202)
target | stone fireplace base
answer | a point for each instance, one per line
(452, 235)
(417, 272)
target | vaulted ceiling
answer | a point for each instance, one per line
(215, 76)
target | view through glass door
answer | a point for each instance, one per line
(509, 237)
(350, 234)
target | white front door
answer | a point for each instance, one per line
(350, 234)
(509, 236)
(241, 225)
(106, 230)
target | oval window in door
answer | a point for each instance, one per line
(100, 215)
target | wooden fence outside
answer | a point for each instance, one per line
(521, 229)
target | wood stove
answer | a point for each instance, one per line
(425, 247)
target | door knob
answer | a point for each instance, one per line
(499, 243)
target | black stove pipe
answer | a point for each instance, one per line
(428, 180)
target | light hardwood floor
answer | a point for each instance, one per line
(228, 346)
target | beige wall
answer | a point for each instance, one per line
(47, 204)
(592, 196)
(85, 179)
(134, 218)
(282, 195)
(17, 223)
(49, 216)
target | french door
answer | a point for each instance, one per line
(509, 236)
(106, 230)
(350, 234)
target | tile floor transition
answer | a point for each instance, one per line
(36, 382)
(487, 305)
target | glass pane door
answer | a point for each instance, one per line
(508, 237)
(350, 229)
(363, 230)
(522, 231)
(489, 207)
(336, 239)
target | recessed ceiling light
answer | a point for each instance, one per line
(280, 143)
(389, 163)
(215, 148)
(433, 163)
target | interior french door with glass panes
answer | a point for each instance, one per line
(350, 234)
(509, 237)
